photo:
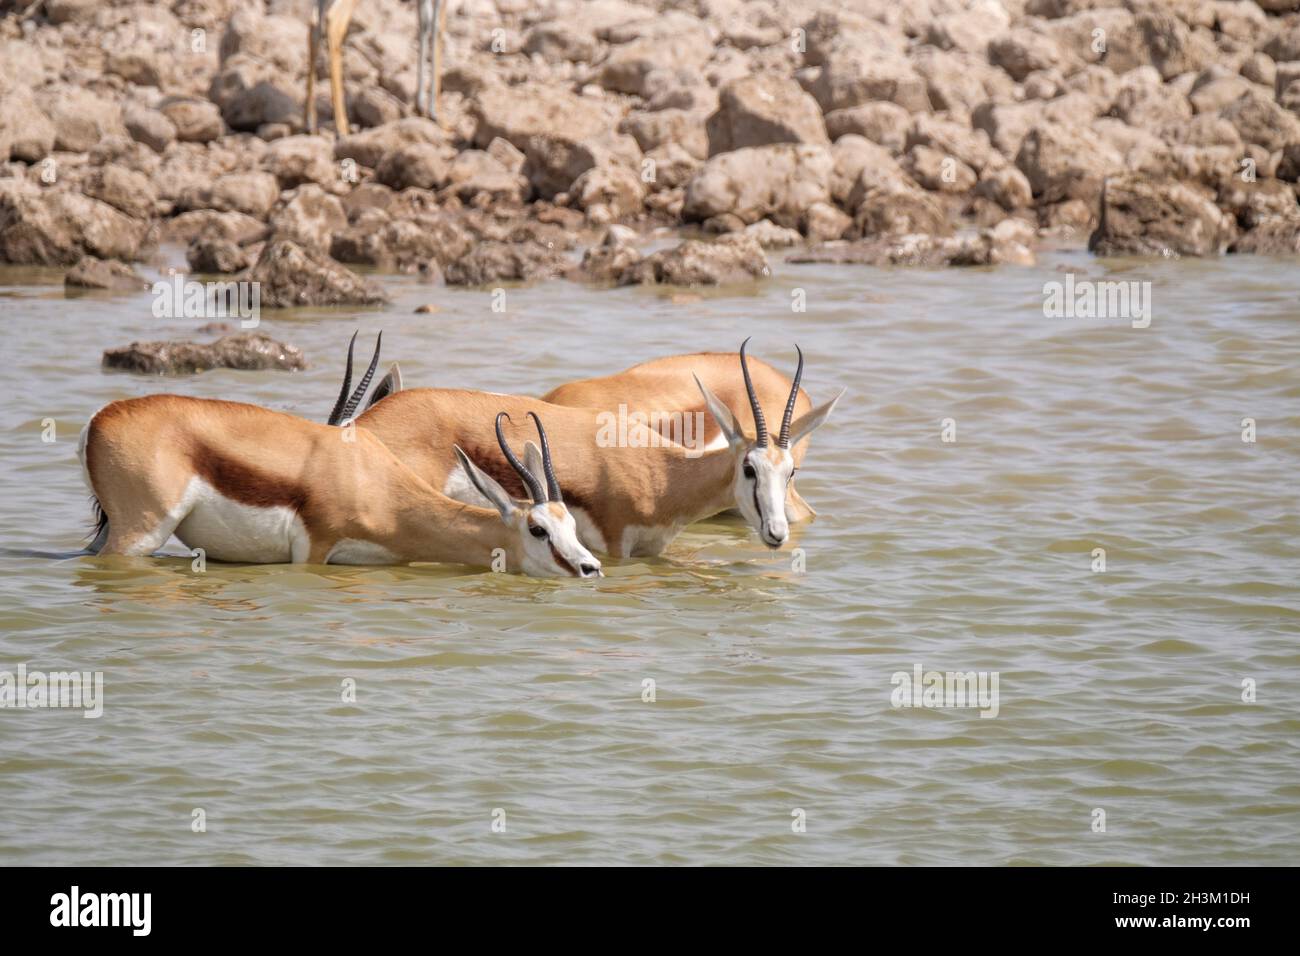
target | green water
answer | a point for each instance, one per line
(483, 697)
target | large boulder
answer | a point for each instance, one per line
(247, 351)
(369, 147)
(310, 218)
(295, 160)
(57, 227)
(763, 109)
(495, 261)
(561, 135)
(852, 76)
(777, 182)
(1064, 162)
(290, 275)
(109, 274)
(1147, 216)
(732, 258)
(673, 41)
(26, 133)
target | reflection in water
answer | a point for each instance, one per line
(677, 710)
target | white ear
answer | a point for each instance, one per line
(806, 422)
(487, 485)
(721, 414)
(533, 462)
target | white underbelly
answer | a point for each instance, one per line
(228, 530)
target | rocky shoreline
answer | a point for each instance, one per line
(942, 132)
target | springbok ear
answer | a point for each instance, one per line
(488, 486)
(388, 385)
(534, 463)
(721, 414)
(806, 422)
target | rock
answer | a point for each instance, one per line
(494, 261)
(824, 222)
(971, 29)
(895, 210)
(248, 352)
(310, 218)
(763, 109)
(403, 244)
(731, 259)
(852, 76)
(150, 127)
(56, 227)
(419, 165)
(372, 106)
(998, 246)
(771, 236)
(92, 273)
(883, 123)
(1006, 186)
(853, 156)
(608, 193)
(235, 226)
(293, 276)
(216, 256)
(81, 119)
(615, 255)
(478, 173)
(369, 147)
(672, 41)
(122, 188)
(1274, 237)
(251, 193)
(1059, 166)
(778, 182)
(561, 135)
(561, 42)
(195, 120)
(265, 103)
(1022, 51)
(938, 171)
(295, 160)
(1145, 216)
(1260, 120)
(655, 129)
(26, 129)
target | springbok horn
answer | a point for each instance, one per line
(337, 414)
(784, 438)
(360, 393)
(552, 483)
(760, 423)
(534, 486)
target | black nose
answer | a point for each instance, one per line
(589, 569)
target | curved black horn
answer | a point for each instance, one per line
(784, 438)
(360, 393)
(552, 483)
(337, 414)
(534, 486)
(760, 423)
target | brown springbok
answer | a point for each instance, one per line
(248, 484)
(631, 487)
(674, 384)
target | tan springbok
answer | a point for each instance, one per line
(248, 484)
(670, 384)
(631, 487)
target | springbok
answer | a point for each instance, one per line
(673, 384)
(631, 495)
(248, 484)
(332, 18)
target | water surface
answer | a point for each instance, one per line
(479, 693)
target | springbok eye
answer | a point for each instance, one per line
(749, 471)
(537, 531)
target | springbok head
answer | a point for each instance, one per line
(763, 468)
(548, 536)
